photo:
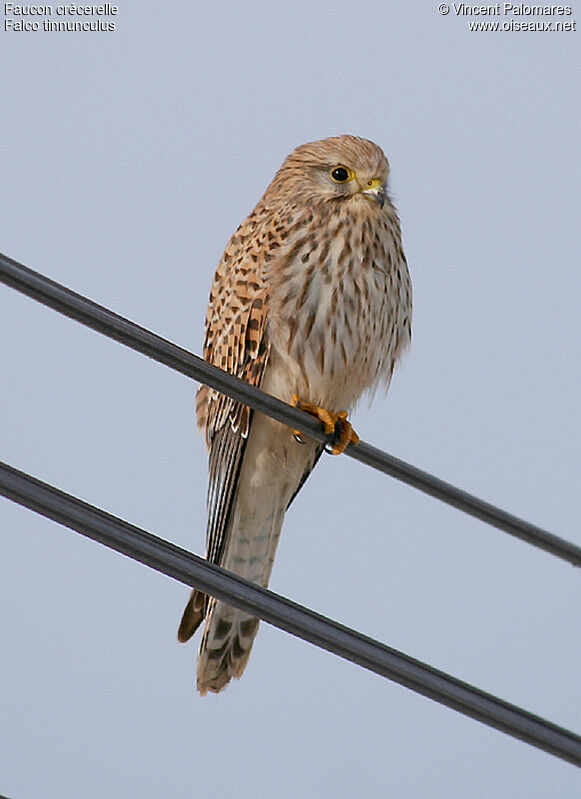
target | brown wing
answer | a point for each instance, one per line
(236, 341)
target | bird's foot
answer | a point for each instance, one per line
(335, 424)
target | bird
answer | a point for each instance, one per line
(311, 302)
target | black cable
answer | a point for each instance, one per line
(287, 615)
(138, 338)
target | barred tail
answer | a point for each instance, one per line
(229, 633)
(225, 648)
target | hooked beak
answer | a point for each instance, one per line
(376, 190)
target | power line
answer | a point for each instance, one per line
(287, 615)
(110, 324)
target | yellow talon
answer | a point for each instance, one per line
(346, 436)
(330, 421)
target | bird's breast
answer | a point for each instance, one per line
(339, 305)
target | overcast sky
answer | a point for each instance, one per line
(128, 158)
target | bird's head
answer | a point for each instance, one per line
(341, 168)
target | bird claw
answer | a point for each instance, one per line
(343, 435)
(334, 424)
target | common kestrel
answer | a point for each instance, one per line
(311, 301)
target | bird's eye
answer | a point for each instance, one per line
(340, 174)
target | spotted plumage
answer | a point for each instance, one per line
(312, 297)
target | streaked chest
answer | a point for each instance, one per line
(339, 301)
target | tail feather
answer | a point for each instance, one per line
(225, 648)
(228, 632)
(192, 616)
(273, 467)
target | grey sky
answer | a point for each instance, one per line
(128, 158)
